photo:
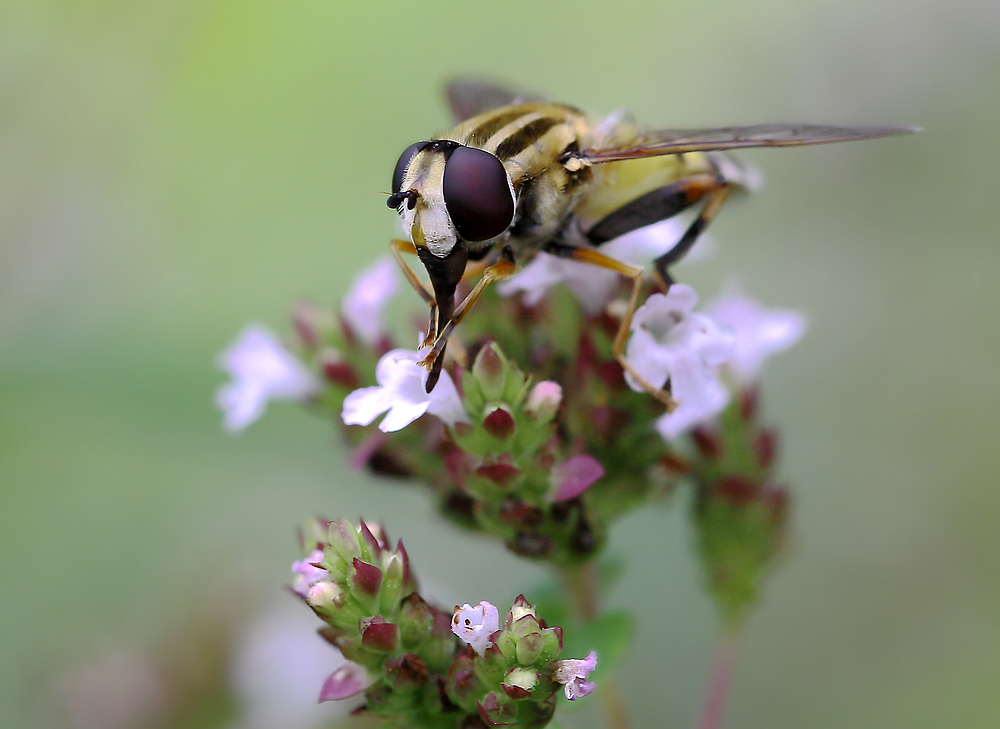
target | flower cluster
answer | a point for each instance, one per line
(509, 674)
(545, 461)
(403, 653)
(739, 510)
(534, 435)
(365, 592)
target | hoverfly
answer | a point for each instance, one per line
(519, 175)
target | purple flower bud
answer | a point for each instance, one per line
(574, 476)
(348, 680)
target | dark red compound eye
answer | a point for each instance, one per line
(477, 194)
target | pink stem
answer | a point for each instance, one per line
(719, 680)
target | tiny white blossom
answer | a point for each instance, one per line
(306, 575)
(475, 625)
(573, 675)
(592, 285)
(400, 391)
(670, 341)
(262, 370)
(363, 306)
(700, 396)
(759, 331)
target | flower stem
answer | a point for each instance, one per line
(582, 585)
(719, 680)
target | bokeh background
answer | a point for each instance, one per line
(170, 170)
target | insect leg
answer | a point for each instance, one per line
(708, 212)
(654, 206)
(596, 258)
(398, 247)
(497, 272)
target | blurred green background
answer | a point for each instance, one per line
(172, 170)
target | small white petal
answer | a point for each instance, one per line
(475, 625)
(701, 396)
(363, 306)
(262, 370)
(401, 392)
(362, 406)
(669, 341)
(759, 332)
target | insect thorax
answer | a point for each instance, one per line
(534, 141)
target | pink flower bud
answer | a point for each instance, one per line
(574, 476)
(544, 400)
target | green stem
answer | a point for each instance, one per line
(719, 680)
(581, 583)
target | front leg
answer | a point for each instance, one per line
(504, 268)
(398, 247)
(596, 258)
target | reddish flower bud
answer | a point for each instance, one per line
(499, 472)
(707, 442)
(365, 578)
(369, 539)
(499, 423)
(766, 446)
(409, 670)
(737, 490)
(380, 636)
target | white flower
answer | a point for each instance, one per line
(363, 305)
(701, 396)
(760, 332)
(400, 391)
(262, 370)
(573, 675)
(591, 284)
(475, 625)
(306, 575)
(669, 341)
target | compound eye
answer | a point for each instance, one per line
(403, 162)
(477, 194)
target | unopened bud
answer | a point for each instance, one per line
(499, 423)
(544, 400)
(489, 371)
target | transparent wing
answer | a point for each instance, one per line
(468, 97)
(675, 141)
